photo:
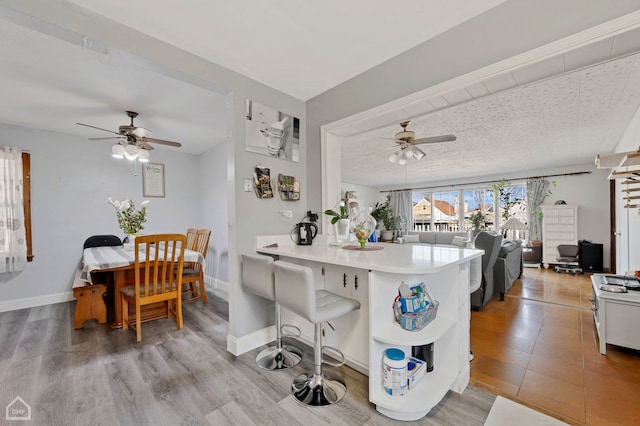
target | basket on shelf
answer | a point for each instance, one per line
(414, 321)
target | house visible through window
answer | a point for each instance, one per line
(443, 211)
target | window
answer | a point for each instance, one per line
(14, 202)
(478, 202)
(481, 208)
(421, 212)
(445, 211)
(512, 202)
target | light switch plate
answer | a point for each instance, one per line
(247, 185)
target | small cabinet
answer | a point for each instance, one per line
(350, 333)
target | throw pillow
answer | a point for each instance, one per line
(411, 238)
(459, 241)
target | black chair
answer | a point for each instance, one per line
(101, 241)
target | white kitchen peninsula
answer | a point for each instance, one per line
(373, 278)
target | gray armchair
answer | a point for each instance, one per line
(508, 267)
(490, 243)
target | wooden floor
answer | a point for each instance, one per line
(99, 376)
(540, 347)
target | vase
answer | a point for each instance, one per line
(131, 242)
(342, 230)
(362, 225)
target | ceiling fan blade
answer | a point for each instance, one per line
(110, 137)
(435, 139)
(99, 128)
(145, 145)
(161, 142)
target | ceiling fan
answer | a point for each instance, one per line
(132, 136)
(406, 142)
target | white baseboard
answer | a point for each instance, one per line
(240, 345)
(216, 284)
(31, 302)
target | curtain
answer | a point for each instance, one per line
(536, 193)
(402, 205)
(13, 243)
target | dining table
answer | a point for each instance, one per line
(115, 266)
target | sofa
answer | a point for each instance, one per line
(502, 262)
(509, 265)
(444, 238)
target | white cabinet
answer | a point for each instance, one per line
(559, 226)
(616, 316)
(350, 332)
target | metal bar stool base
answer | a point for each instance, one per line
(318, 390)
(275, 358)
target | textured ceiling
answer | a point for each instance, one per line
(507, 123)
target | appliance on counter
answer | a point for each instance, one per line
(304, 233)
(619, 283)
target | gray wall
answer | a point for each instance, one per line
(71, 179)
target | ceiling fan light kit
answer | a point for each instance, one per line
(136, 146)
(407, 149)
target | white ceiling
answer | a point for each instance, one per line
(504, 123)
(301, 48)
(52, 84)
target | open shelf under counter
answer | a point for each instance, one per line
(393, 333)
(417, 402)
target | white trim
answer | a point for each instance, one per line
(248, 342)
(216, 284)
(31, 302)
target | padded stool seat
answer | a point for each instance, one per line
(295, 290)
(257, 278)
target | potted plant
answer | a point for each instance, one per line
(383, 214)
(341, 222)
(381, 211)
(478, 222)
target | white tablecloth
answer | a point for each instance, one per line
(97, 258)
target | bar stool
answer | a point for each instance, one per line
(295, 290)
(257, 278)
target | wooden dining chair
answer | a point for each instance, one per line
(193, 272)
(191, 238)
(158, 268)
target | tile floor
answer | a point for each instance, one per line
(539, 347)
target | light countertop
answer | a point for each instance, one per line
(410, 258)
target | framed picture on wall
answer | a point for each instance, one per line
(272, 133)
(153, 180)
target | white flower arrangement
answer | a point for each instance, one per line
(130, 220)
